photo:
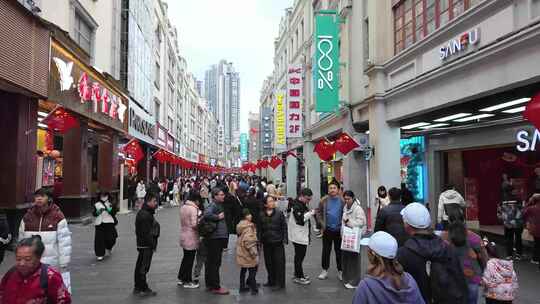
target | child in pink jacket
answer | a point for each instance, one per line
(499, 280)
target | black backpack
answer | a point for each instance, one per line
(206, 227)
(43, 280)
(447, 281)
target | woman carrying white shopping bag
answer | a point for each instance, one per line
(353, 227)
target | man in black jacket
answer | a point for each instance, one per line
(389, 218)
(147, 232)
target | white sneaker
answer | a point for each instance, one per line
(340, 275)
(302, 281)
(100, 258)
(191, 285)
(349, 286)
(323, 275)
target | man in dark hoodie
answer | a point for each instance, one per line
(389, 218)
(431, 262)
(147, 231)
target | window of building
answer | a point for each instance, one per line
(157, 109)
(170, 124)
(415, 19)
(83, 33)
(157, 75)
(535, 8)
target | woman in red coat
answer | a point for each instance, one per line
(30, 281)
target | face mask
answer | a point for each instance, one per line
(104, 198)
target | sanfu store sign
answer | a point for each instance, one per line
(85, 91)
(460, 44)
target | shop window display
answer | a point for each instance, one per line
(413, 166)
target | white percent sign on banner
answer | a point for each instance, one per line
(325, 62)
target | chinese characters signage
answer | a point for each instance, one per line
(294, 101)
(85, 91)
(243, 147)
(326, 63)
(162, 137)
(279, 121)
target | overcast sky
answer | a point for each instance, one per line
(241, 31)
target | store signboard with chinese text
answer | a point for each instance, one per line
(85, 91)
(279, 122)
(141, 124)
(243, 147)
(295, 83)
(161, 139)
(326, 63)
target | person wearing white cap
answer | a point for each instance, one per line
(431, 262)
(386, 282)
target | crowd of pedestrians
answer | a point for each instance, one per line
(410, 259)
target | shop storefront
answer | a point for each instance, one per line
(83, 124)
(142, 127)
(23, 81)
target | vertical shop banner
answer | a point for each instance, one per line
(279, 121)
(295, 96)
(326, 71)
(243, 147)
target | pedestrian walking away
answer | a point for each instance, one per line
(215, 242)
(470, 250)
(499, 279)
(386, 281)
(448, 200)
(45, 219)
(353, 217)
(299, 233)
(104, 222)
(141, 193)
(433, 263)
(330, 214)
(247, 254)
(189, 239)
(147, 232)
(31, 281)
(389, 218)
(273, 235)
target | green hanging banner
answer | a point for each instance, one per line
(326, 62)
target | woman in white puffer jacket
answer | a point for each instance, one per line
(46, 219)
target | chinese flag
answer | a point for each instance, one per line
(532, 111)
(264, 164)
(275, 162)
(345, 144)
(133, 149)
(60, 120)
(325, 150)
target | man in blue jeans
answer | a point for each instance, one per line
(330, 214)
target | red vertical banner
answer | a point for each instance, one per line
(471, 197)
(295, 84)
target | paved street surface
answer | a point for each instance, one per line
(111, 281)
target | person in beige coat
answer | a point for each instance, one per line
(247, 255)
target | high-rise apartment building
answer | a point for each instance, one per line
(222, 90)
